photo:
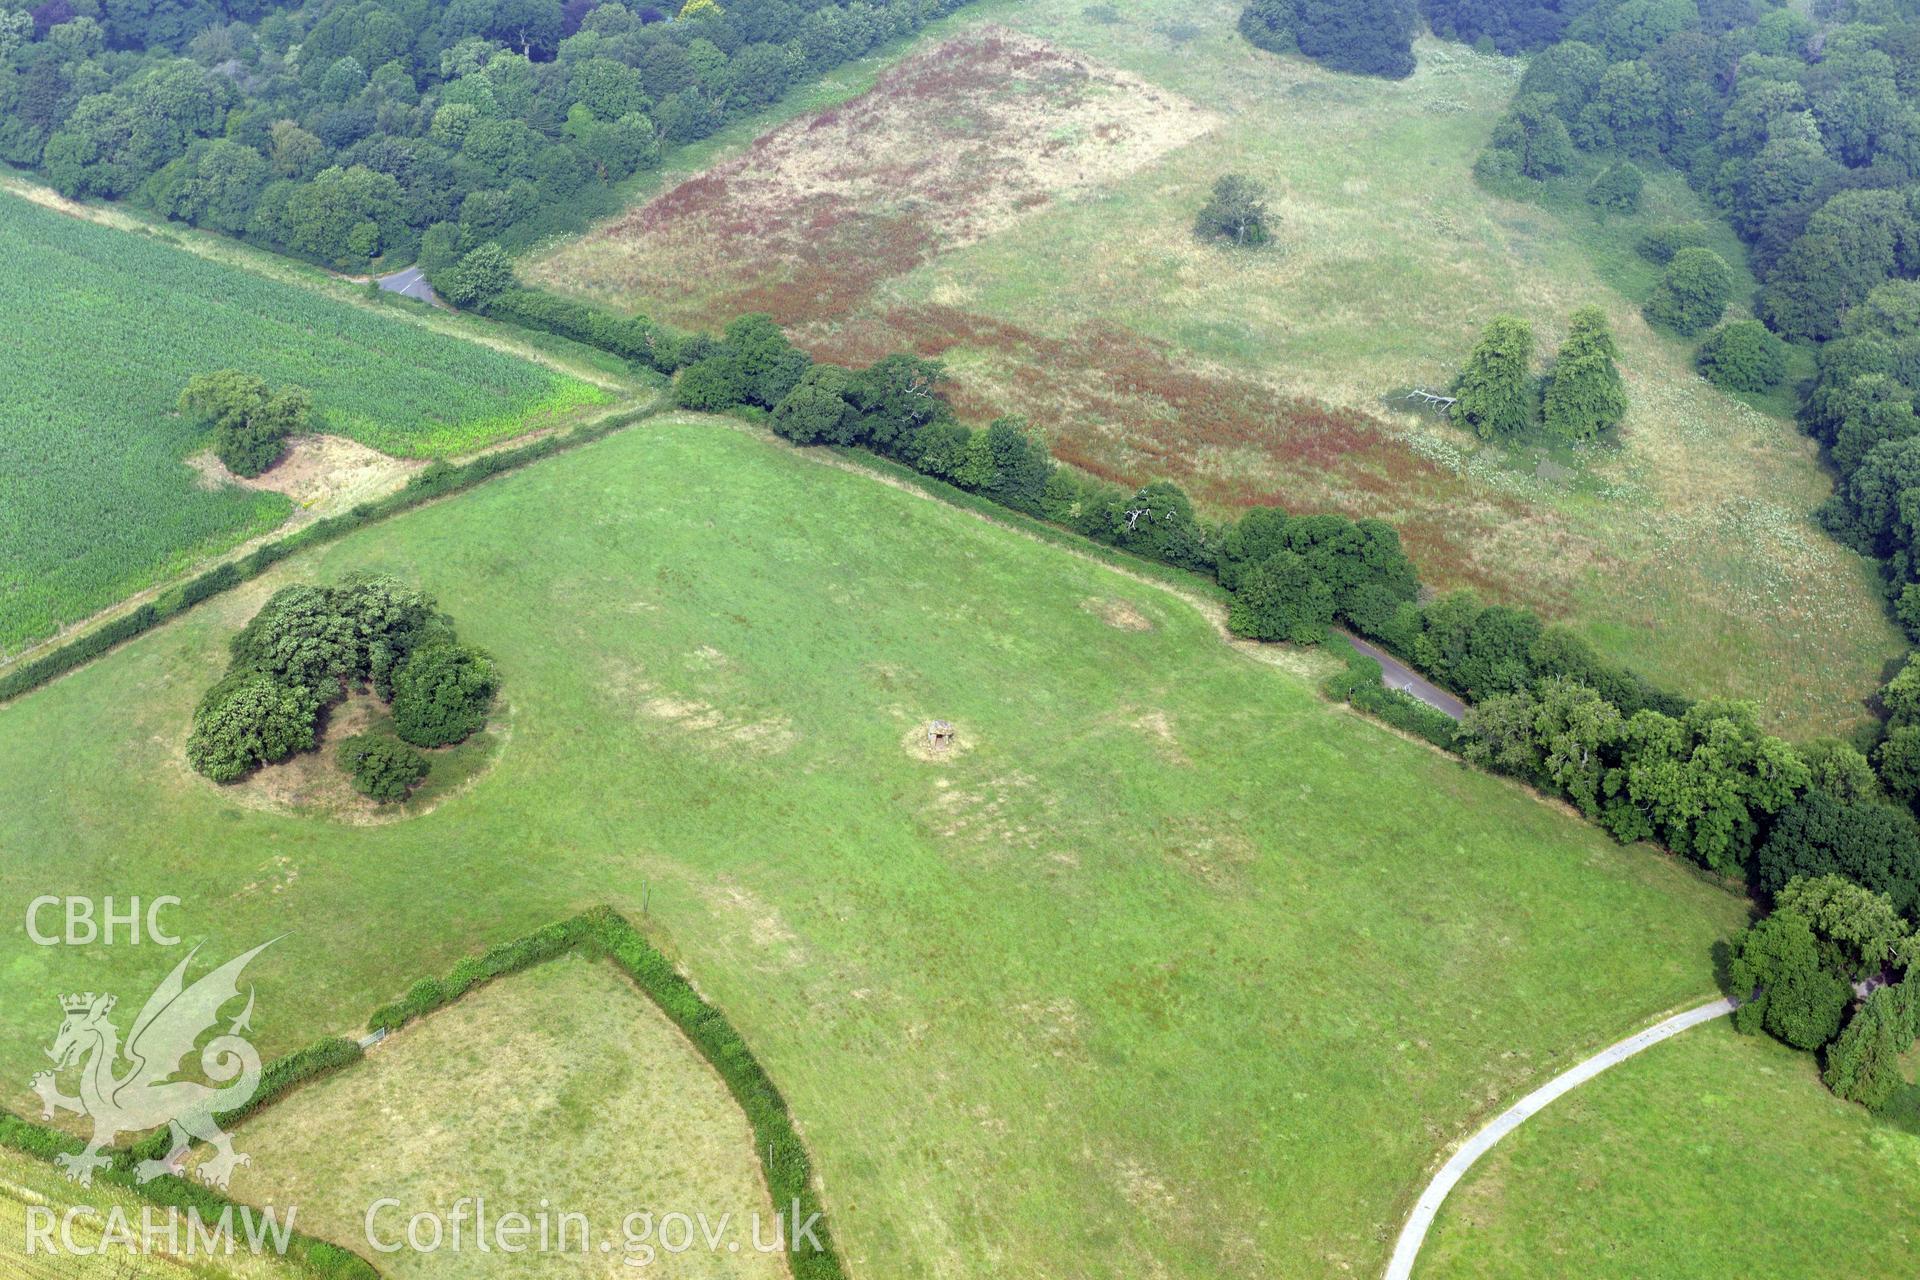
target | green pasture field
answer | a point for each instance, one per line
(1168, 967)
(575, 1092)
(1711, 1155)
(1685, 547)
(95, 499)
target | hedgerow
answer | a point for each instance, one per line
(603, 932)
(783, 1156)
(315, 1257)
(278, 1078)
(429, 994)
(1360, 685)
(437, 480)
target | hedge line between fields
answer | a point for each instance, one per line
(436, 481)
(652, 346)
(277, 1079)
(602, 932)
(315, 1257)
(1361, 685)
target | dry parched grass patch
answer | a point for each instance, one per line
(321, 473)
(949, 147)
(1117, 613)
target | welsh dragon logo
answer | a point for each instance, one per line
(145, 1095)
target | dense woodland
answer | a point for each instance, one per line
(342, 132)
(1802, 130)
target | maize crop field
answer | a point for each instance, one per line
(96, 498)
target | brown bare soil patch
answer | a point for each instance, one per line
(950, 146)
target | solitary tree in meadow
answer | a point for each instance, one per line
(1235, 212)
(251, 423)
(1693, 294)
(1584, 394)
(1494, 397)
(1743, 356)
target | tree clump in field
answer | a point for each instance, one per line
(1235, 212)
(1495, 395)
(247, 720)
(1693, 293)
(1372, 37)
(250, 421)
(1617, 188)
(1584, 395)
(381, 769)
(478, 278)
(309, 645)
(1291, 576)
(442, 694)
(1742, 356)
(1529, 142)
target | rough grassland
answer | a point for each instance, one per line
(575, 1092)
(1711, 1155)
(26, 1182)
(1172, 968)
(1260, 378)
(940, 153)
(95, 498)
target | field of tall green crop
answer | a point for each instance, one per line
(105, 328)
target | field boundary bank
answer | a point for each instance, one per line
(73, 632)
(438, 480)
(600, 933)
(1357, 687)
(307, 1254)
(1426, 1208)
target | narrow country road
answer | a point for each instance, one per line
(1396, 674)
(1414, 1234)
(411, 283)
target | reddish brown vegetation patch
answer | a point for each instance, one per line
(1129, 409)
(948, 147)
